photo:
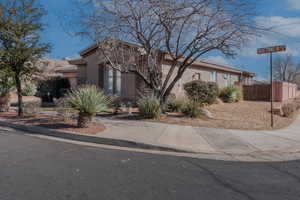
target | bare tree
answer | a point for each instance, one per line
(286, 70)
(180, 30)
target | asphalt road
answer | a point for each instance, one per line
(39, 169)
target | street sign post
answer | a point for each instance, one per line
(271, 50)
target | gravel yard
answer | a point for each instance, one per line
(246, 115)
(51, 122)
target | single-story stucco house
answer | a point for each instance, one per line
(92, 69)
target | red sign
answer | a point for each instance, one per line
(271, 49)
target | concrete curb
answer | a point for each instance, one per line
(88, 138)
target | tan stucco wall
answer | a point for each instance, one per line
(91, 73)
(81, 73)
(92, 69)
(205, 75)
(224, 82)
(130, 82)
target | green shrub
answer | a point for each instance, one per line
(231, 94)
(30, 89)
(175, 105)
(116, 103)
(53, 88)
(149, 107)
(202, 92)
(87, 100)
(191, 109)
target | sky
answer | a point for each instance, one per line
(282, 15)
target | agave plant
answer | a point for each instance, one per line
(88, 100)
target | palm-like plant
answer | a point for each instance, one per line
(88, 100)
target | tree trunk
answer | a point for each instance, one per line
(83, 120)
(20, 99)
(167, 92)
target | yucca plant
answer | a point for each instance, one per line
(231, 94)
(175, 104)
(192, 109)
(149, 107)
(87, 100)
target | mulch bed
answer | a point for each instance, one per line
(51, 122)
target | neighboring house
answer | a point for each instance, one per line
(58, 68)
(93, 70)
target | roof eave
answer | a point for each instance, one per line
(77, 62)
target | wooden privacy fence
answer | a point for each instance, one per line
(282, 91)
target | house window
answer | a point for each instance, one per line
(226, 79)
(213, 76)
(113, 81)
(118, 83)
(196, 76)
(230, 79)
(110, 82)
(226, 76)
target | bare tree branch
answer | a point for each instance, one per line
(183, 30)
(286, 70)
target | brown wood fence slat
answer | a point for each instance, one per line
(256, 92)
(282, 91)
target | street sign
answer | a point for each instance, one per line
(271, 49)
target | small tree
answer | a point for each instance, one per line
(20, 45)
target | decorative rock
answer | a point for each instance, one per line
(29, 99)
(206, 113)
(219, 101)
(277, 111)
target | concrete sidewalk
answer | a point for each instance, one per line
(211, 143)
(205, 140)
